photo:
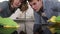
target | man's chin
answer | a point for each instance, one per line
(36, 10)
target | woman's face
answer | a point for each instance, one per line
(16, 3)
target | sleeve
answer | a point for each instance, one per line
(5, 9)
(3, 5)
(49, 6)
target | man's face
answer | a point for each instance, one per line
(16, 3)
(36, 4)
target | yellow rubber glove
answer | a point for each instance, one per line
(52, 19)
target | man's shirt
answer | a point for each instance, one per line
(50, 9)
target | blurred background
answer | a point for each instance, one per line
(26, 19)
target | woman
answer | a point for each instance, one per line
(9, 7)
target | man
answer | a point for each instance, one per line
(42, 13)
(9, 7)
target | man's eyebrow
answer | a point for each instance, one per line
(34, 3)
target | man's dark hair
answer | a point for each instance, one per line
(30, 0)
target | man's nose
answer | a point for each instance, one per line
(33, 7)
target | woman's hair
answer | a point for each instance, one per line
(24, 6)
